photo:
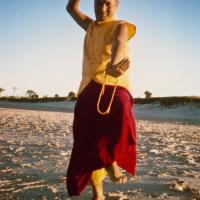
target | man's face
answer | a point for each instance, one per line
(105, 9)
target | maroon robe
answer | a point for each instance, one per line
(99, 140)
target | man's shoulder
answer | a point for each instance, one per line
(124, 21)
(125, 25)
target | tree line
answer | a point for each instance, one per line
(31, 94)
(71, 95)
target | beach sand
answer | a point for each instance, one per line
(35, 148)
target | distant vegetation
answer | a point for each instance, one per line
(72, 96)
(163, 101)
(147, 94)
(1, 90)
(32, 96)
(169, 101)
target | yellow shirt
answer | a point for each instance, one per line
(97, 53)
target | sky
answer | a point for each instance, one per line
(41, 46)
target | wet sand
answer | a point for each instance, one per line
(35, 147)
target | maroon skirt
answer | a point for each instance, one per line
(99, 140)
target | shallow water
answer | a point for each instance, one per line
(35, 148)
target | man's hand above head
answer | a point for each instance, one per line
(82, 19)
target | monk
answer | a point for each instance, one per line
(104, 130)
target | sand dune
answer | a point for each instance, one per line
(188, 112)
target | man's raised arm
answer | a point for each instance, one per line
(73, 9)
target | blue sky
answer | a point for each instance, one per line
(41, 46)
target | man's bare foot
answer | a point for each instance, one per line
(120, 179)
(115, 173)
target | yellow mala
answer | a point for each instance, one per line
(107, 111)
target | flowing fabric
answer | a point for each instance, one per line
(99, 140)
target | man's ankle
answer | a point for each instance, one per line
(114, 170)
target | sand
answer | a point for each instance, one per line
(35, 148)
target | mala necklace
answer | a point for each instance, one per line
(107, 111)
